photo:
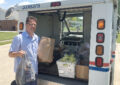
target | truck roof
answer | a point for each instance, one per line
(60, 4)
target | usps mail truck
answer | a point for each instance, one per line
(85, 37)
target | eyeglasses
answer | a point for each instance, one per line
(32, 24)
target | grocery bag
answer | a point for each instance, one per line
(25, 72)
(45, 50)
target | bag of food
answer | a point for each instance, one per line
(45, 50)
(25, 72)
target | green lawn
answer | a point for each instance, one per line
(7, 35)
(118, 38)
(6, 42)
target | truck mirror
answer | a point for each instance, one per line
(9, 12)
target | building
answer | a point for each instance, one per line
(9, 24)
(2, 14)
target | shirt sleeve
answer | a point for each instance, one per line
(15, 46)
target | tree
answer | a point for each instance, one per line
(119, 7)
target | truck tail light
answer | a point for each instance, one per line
(101, 24)
(99, 61)
(99, 50)
(21, 26)
(53, 4)
(100, 38)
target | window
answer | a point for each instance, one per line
(75, 24)
(72, 29)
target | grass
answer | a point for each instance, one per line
(7, 35)
(6, 42)
(118, 38)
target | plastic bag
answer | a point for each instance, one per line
(84, 50)
(25, 72)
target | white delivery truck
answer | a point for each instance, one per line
(75, 25)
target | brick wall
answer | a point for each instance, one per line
(8, 25)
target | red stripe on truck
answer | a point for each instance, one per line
(104, 64)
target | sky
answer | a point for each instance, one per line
(5, 4)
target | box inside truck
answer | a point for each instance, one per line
(70, 28)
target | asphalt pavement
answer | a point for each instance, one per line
(6, 66)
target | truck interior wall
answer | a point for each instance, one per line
(48, 25)
(87, 26)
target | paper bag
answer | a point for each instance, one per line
(45, 50)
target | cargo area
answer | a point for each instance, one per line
(70, 29)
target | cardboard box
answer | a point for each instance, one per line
(82, 72)
(66, 69)
(45, 50)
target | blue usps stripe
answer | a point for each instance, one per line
(113, 56)
(99, 69)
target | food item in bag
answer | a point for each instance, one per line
(29, 75)
(68, 58)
